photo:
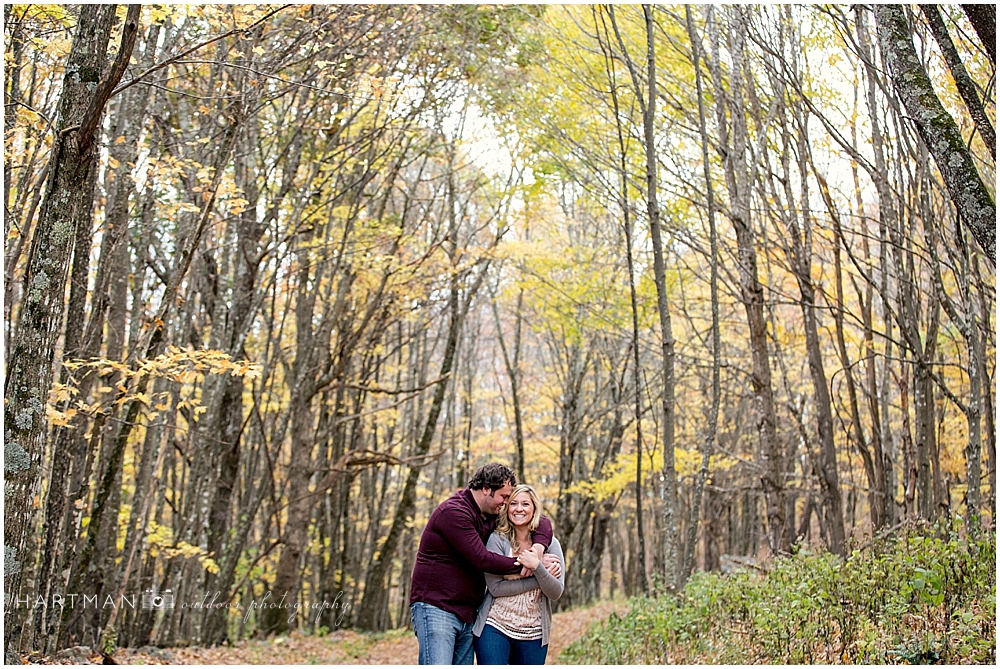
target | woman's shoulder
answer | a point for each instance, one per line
(497, 539)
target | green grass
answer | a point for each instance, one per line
(921, 598)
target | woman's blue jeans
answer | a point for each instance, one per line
(494, 647)
(443, 637)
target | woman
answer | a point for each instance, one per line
(514, 619)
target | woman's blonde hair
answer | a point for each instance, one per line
(506, 529)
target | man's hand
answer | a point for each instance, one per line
(539, 551)
(552, 564)
(529, 560)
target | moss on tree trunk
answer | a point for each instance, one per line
(936, 126)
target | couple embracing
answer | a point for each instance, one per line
(486, 572)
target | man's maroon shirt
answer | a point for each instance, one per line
(452, 557)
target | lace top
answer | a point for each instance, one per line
(518, 616)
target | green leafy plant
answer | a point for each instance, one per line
(926, 596)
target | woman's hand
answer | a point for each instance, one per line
(527, 558)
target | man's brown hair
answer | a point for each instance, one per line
(494, 476)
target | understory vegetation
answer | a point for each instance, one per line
(927, 596)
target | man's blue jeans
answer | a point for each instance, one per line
(443, 637)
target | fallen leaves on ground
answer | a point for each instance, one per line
(345, 646)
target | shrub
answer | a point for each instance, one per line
(927, 596)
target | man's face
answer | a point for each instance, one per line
(499, 497)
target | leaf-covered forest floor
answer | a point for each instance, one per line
(342, 646)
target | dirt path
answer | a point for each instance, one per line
(349, 647)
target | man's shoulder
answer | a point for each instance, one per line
(456, 505)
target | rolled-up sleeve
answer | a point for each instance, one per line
(543, 534)
(551, 586)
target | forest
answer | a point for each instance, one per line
(719, 281)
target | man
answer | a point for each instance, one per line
(447, 585)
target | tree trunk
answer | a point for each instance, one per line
(149, 345)
(55, 503)
(570, 434)
(974, 408)
(711, 433)
(800, 257)
(987, 404)
(751, 291)
(924, 411)
(936, 126)
(873, 463)
(11, 101)
(110, 292)
(512, 364)
(29, 377)
(984, 21)
(668, 473)
(965, 315)
(887, 217)
(963, 82)
(374, 611)
(300, 505)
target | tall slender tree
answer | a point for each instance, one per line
(86, 89)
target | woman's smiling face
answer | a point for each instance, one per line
(520, 509)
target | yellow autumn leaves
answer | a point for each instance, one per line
(181, 365)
